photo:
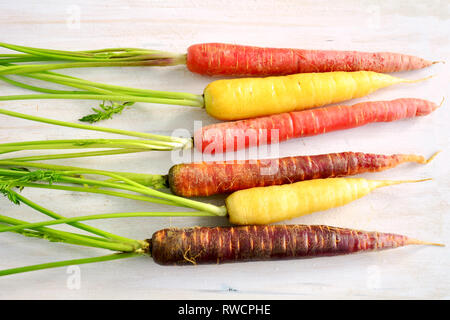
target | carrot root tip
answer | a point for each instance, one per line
(442, 102)
(425, 243)
(413, 181)
(420, 180)
(432, 157)
(395, 182)
(419, 80)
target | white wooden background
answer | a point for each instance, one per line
(418, 210)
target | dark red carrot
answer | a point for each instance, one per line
(233, 60)
(232, 136)
(208, 178)
(252, 243)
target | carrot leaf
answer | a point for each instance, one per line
(105, 112)
(5, 190)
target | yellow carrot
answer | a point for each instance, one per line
(265, 205)
(233, 99)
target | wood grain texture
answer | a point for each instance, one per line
(420, 211)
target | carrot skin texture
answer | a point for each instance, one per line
(236, 60)
(243, 98)
(203, 245)
(209, 178)
(232, 136)
(265, 205)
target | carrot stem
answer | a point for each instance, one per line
(88, 89)
(155, 195)
(95, 191)
(64, 263)
(104, 216)
(79, 239)
(149, 180)
(183, 141)
(102, 97)
(75, 155)
(75, 224)
(90, 85)
(45, 233)
(8, 70)
(101, 55)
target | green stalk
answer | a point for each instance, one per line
(31, 233)
(96, 143)
(39, 89)
(64, 263)
(185, 142)
(109, 54)
(117, 98)
(82, 240)
(17, 70)
(147, 145)
(46, 233)
(104, 216)
(149, 180)
(96, 191)
(62, 236)
(88, 89)
(95, 87)
(56, 235)
(89, 85)
(106, 89)
(75, 155)
(66, 82)
(197, 205)
(219, 211)
(81, 226)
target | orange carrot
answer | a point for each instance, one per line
(251, 243)
(231, 136)
(237, 60)
(209, 178)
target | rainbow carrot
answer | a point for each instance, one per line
(245, 98)
(237, 60)
(201, 245)
(220, 59)
(231, 136)
(265, 205)
(252, 243)
(209, 178)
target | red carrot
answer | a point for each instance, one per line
(229, 59)
(231, 136)
(251, 243)
(208, 178)
(215, 59)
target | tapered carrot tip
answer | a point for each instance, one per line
(410, 181)
(417, 158)
(411, 241)
(418, 80)
(442, 102)
(434, 62)
(433, 156)
(385, 183)
(413, 181)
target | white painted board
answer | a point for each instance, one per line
(417, 210)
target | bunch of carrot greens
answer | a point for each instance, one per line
(278, 103)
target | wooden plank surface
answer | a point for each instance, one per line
(418, 210)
